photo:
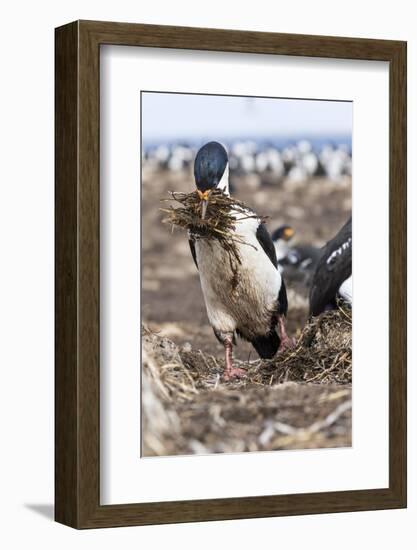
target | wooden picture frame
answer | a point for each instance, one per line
(77, 373)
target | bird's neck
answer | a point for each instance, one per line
(281, 249)
(223, 184)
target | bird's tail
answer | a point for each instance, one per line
(266, 346)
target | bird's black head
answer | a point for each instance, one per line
(284, 232)
(210, 166)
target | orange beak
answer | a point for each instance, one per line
(288, 233)
(204, 196)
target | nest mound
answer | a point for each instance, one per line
(300, 399)
(321, 355)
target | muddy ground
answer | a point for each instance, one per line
(173, 308)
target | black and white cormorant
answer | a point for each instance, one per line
(302, 256)
(332, 278)
(254, 306)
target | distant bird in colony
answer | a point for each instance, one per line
(302, 257)
(258, 304)
(332, 279)
(281, 238)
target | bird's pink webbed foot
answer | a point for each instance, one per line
(286, 341)
(231, 372)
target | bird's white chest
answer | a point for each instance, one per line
(281, 249)
(345, 290)
(241, 296)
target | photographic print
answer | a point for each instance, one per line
(246, 279)
(203, 274)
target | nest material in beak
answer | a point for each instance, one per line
(204, 204)
(220, 223)
(204, 197)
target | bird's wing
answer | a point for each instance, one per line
(282, 299)
(192, 248)
(305, 251)
(304, 256)
(333, 268)
(292, 258)
(264, 239)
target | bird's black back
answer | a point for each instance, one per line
(333, 268)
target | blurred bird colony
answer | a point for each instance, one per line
(269, 139)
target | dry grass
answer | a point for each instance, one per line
(219, 223)
(300, 399)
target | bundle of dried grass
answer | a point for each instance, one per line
(219, 222)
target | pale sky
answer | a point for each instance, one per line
(167, 116)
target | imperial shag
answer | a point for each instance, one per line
(303, 257)
(332, 278)
(254, 306)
